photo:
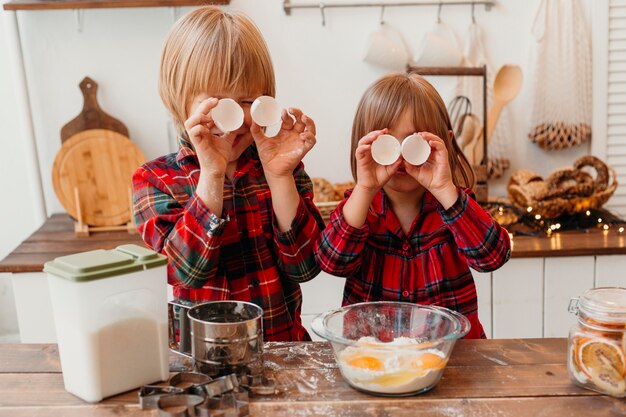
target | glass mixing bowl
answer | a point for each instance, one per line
(391, 348)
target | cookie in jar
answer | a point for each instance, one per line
(597, 342)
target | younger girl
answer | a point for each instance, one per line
(410, 233)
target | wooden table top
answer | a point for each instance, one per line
(56, 238)
(502, 377)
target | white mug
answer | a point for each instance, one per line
(386, 49)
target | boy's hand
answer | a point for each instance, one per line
(371, 176)
(435, 174)
(281, 154)
(214, 151)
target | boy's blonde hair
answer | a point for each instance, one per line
(385, 101)
(209, 50)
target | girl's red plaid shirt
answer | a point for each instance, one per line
(430, 265)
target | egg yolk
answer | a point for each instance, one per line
(366, 362)
(429, 361)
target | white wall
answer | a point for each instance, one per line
(318, 68)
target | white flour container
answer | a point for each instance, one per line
(110, 312)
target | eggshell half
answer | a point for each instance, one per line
(415, 150)
(386, 150)
(227, 115)
(266, 111)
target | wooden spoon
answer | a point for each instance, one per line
(467, 131)
(506, 87)
(471, 126)
(472, 130)
(475, 149)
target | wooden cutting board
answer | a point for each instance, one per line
(98, 163)
(92, 116)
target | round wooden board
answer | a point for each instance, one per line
(100, 163)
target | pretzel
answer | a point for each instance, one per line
(567, 182)
(523, 177)
(602, 171)
(323, 190)
(527, 194)
(341, 187)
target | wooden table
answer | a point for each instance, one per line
(514, 377)
(56, 238)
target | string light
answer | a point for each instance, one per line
(531, 222)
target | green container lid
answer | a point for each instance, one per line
(100, 263)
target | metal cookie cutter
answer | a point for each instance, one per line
(149, 395)
(172, 405)
(181, 383)
(220, 397)
(258, 384)
(224, 398)
(187, 380)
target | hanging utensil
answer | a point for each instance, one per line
(458, 108)
(506, 87)
(471, 125)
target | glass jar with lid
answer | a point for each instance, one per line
(597, 342)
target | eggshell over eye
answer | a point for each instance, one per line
(266, 111)
(227, 115)
(386, 150)
(415, 150)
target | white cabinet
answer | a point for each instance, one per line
(610, 271)
(518, 299)
(321, 294)
(34, 308)
(485, 301)
(563, 279)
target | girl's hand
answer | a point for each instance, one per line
(281, 154)
(371, 176)
(435, 174)
(214, 151)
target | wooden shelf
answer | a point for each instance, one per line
(102, 4)
(460, 71)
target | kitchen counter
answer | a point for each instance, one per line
(56, 238)
(510, 377)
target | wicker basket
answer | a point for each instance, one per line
(523, 196)
(326, 208)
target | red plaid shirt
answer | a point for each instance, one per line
(430, 266)
(238, 255)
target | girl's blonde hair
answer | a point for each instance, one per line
(209, 50)
(385, 101)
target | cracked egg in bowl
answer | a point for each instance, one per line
(391, 348)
